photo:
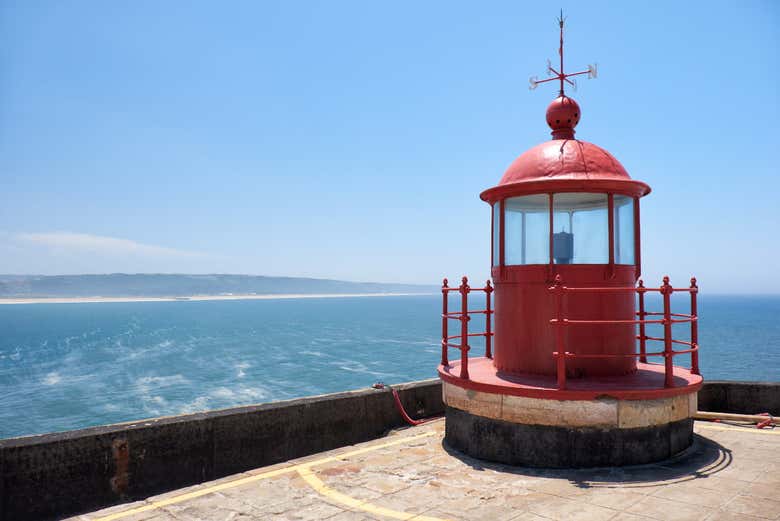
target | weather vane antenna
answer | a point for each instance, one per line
(562, 76)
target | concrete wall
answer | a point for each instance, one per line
(740, 397)
(56, 475)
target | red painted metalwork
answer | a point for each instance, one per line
(694, 289)
(501, 235)
(640, 290)
(551, 269)
(464, 328)
(444, 323)
(464, 317)
(611, 233)
(488, 317)
(637, 240)
(594, 337)
(561, 75)
(646, 383)
(559, 354)
(523, 306)
(666, 290)
(492, 235)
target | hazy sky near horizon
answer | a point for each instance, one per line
(351, 140)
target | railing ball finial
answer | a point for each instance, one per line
(465, 280)
(488, 286)
(666, 287)
(641, 283)
(693, 282)
(444, 283)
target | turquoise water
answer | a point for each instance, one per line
(67, 366)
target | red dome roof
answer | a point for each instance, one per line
(565, 165)
(564, 159)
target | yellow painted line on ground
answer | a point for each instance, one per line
(350, 502)
(752, 430)
(257, 477)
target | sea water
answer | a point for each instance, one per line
(68, 366)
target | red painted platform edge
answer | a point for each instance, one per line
(498, 386)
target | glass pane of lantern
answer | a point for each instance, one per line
(580, 228)
(496, 233)
(624, 230)
(527, 233)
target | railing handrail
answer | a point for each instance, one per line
(666, 290)
(464, 316)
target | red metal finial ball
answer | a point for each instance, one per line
(444, 283)
(563, 114)
(693, 282)
(641, 283)
(465, 280)
(666, 280)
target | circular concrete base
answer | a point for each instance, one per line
(541, 432)
(563, 447)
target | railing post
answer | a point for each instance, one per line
(444, 322)
(666, 291)
(694, 328)
(642, 337)
(488, 324)
(464, 328)
(560, 353)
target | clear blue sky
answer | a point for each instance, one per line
(350, 140)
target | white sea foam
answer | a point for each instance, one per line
(239, 395)
(201, 403)
(240, 369)
(147, 382)
(52, 378)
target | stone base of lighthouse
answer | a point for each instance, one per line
(597, 431)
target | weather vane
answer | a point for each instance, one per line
(561, 76)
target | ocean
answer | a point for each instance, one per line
(68, 366)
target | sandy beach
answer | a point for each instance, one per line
(84, 300)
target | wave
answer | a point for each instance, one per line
(52, 378)
(161, 381)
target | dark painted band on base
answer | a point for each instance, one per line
(563, 447)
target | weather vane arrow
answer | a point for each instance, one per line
(562, 76)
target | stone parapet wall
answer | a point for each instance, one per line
(740, 397)
(52, 476)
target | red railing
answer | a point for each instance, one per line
(668, 319)
(464, 316)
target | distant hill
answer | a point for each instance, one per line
(158, 285)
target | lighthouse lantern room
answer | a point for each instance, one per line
(574, 374)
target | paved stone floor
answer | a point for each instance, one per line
(731, 472)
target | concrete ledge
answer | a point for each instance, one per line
(740, 397)
(62, 474)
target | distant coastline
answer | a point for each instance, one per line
(151, 287)
(195, 298)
